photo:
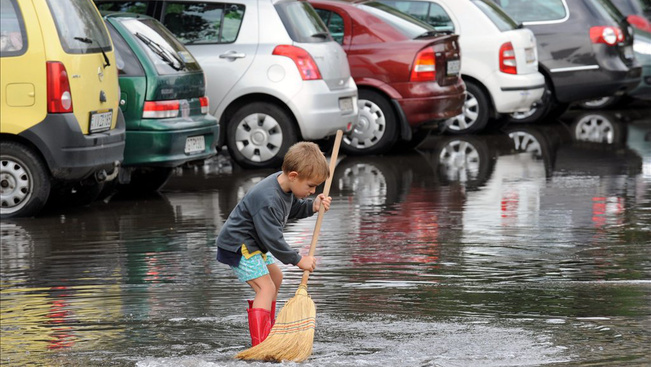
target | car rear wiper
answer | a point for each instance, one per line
(323, 35)
(89, 41)
(433, 33)
(162, 52)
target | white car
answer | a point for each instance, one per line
(499, 58)
(274, 74)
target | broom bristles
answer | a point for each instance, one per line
(292, 336)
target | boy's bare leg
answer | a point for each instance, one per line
(276, 276)
(265, 291)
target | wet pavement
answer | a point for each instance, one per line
(526, 246)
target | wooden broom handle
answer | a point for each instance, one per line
(326, 191)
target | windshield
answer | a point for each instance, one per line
(162, 48)
(498, 16)
(303, 24)
(406, 24)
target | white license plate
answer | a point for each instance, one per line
(453, 67)
(530, 55)
(195, 144)
(346, 104)
(100, 121)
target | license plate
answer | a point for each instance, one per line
(346, 104)
(453, 67)
(100, 121)
(530, 55)
(195, 144)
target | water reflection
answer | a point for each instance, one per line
(527, 246)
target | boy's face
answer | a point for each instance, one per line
(302, 187)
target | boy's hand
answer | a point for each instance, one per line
(307, 263)
(321, 199)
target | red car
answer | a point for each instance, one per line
(407, 73)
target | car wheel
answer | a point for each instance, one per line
(259, 134)
(147, 180)
(73, 194)
(600, 103)
(24, 181)
(547, 108)
(475, 112)
(376, 129)
(597, 128)
(464, 159)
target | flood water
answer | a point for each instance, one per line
(527, 246)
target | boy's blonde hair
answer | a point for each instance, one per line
(307, 159)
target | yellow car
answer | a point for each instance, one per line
(60, 126)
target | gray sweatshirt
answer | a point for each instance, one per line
(259, 218)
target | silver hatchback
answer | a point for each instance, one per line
(274, 73)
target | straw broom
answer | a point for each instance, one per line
(292, 336)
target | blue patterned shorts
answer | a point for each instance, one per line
(253, 267)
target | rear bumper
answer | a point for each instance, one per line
(69, 153)
(643, 90)
(426, 104)
(576, 85)
(515, 93)
(167, 148)
(318, 110)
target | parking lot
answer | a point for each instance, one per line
(523, 246)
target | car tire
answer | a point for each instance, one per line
(600, 103)
(547, 109)
(24, 181)
(376, 129)
(74, 194)
(600, 128)
(475, 112)
(259, 134)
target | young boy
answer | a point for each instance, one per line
(253, 233)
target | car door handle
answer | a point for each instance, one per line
(232, 55)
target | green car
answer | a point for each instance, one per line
(162, 97)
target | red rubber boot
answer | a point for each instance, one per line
(259, 324)
(273, 310)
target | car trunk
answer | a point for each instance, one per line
(524, 46)
(448, 57)
(332, 62)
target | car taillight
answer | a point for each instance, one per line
(508, 64)
(639, 22)
(424, 66)
(303, 60)
(59, 99)
(204, 105)
(160, 109)
(606, 34)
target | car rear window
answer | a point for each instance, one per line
(161, 47)
(204, 23)
(13, 40)
(605, 10)
(404, 23)
(80, 28)
(302, 23)
(126, 61)
(138, 7)
(429, 12)
(499, 17)
(534, 10)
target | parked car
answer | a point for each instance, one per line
(585, 51)
(638, 15)
(499, 63)
(60, 125)
(163, 100)
(407, 73)
(270, 83)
